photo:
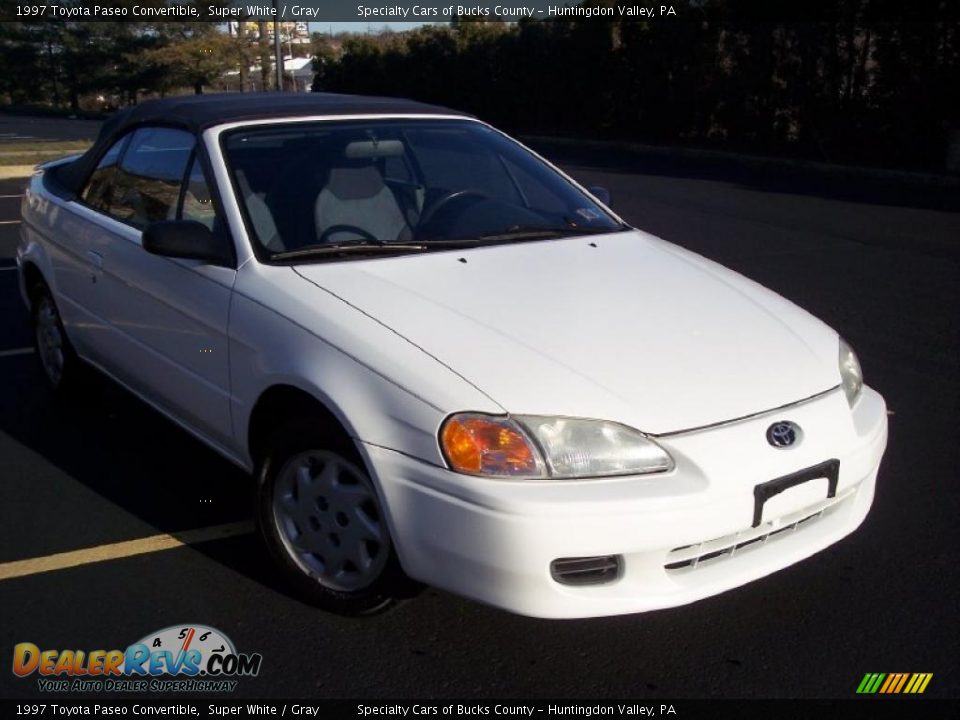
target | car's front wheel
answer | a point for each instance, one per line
(58, 360)
(322, 519)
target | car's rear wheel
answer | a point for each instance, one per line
(321, 517)
(58, 360)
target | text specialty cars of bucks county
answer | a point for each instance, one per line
(445, 361)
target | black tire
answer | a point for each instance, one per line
(310, 575)
(61, 368)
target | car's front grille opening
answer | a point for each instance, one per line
(689, 557)
(730, 549)
(586, 570)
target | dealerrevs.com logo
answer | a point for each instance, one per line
(181, 658)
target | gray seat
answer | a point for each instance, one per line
(260, 216)
(356, 195)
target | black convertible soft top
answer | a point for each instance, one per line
(196, 113)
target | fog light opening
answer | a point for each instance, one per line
(597, 570)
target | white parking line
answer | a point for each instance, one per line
(15, 352)
(5, 197)
(12, 267)
(115, 551)
(9, 222)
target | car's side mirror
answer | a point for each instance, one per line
(601, 194)
(186, 239)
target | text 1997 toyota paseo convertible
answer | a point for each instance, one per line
(443, 359)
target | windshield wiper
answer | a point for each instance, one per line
(514, 233)
(361, 248)
(531, 232)
(517, 233)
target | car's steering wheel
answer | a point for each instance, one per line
(444, 200)
(333, 229)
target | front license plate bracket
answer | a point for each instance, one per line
(829, 469)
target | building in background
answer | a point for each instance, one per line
(297, 76)
(299, 72)
(291, 33)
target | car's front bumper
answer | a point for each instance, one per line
(679, 537)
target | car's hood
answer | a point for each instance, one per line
(623, 326)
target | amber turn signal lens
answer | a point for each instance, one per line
(482, 445)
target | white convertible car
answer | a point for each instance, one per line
(445, 361)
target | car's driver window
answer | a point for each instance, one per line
(395, 169)
(535, 195)
(451, 162)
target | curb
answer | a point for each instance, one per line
(755, 162)
(12, 172)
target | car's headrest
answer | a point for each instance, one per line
(356, 182)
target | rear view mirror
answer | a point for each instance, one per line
(186, 239)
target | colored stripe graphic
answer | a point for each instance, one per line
(903, 680)
(918, 683)
(894, 683)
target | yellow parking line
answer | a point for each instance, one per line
(115, 551)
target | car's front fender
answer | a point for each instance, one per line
(384, 390)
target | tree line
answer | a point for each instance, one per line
(848, 84)
(103, 65)
(841, 87)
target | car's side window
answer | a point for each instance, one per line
(395, 169)
(535, 194)
(449, 162)
(197, 203)
(100, 185)
(148, 181)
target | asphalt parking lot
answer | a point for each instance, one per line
(879, 263)
(13, 127)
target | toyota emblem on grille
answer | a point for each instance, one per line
(783, 434)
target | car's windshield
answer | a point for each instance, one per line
(422, 184)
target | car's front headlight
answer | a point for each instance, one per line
(528, 446)
(850, 373)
